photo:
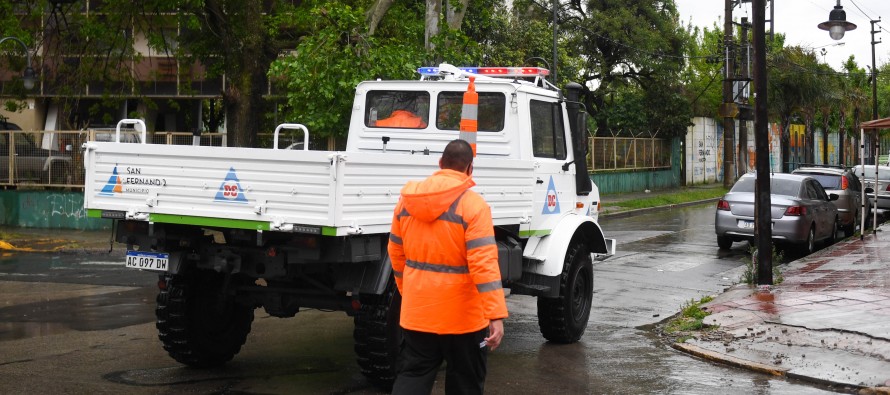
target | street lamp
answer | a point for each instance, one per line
(837, 23)
(29, 77)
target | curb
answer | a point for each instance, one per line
(729, 359)
(631, 213)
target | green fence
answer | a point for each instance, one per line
(657, 170)
(47, 209)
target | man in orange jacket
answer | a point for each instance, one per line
(445, 262)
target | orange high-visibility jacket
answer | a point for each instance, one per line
(444, 256)
(402, 119)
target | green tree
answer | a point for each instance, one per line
(703, 73)
(636, 44)
(791, 88)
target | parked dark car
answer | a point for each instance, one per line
(30, 162)
(802, 213)
(842, 181)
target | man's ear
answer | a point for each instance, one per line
(469, 169)
(440, 163)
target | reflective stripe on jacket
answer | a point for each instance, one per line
(444, 256)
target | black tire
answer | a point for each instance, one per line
(836, 228)
(378, 335)
(198, 326)
(563, 319)
(724, 242)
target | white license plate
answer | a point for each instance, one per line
(144, 260)
(745, 224)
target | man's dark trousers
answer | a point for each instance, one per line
(422, 353)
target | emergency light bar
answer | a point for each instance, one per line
(492, 71)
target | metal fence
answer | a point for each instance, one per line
(54, 159)
(628, 153)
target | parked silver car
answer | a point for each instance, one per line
(882, 188)
(802, 213)
(30, 163)
(845, 184)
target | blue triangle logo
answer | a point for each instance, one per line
(551, 201)
(113, 185)
(230, 190)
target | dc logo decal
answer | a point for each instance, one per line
(230, 190)
(551, 202)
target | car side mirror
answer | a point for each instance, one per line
(832, 197)
(869, 190)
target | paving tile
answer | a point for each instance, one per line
(842, 302)
(819, 297)
(791, 302)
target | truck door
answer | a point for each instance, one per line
(554, 194)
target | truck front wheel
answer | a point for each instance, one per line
(198, 324)
(377, 336)
(563, 319)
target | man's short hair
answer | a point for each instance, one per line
(457, 155)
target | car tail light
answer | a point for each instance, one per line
(844, 183)
(888, 187)
(796, 210)
(722, 205)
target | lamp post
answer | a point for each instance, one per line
(29, 76)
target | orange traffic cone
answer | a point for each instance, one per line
(469, 116)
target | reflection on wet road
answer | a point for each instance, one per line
(86, 325)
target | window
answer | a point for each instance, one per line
(397, 109)
(449, 106)
(548, 134)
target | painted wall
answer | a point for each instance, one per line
(704, 150)
(47, 209)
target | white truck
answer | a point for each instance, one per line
(230, 229)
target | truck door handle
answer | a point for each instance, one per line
(539, 181)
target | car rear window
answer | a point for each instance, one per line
(827, 181)
(777, 187)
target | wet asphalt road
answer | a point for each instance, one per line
(86, 325)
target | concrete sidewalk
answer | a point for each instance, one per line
(828, 322)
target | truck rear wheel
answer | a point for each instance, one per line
(563, 319)
(198, 325)
(377, 336)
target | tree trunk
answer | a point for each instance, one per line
(857, 150)
(431, 22)
(454, 13)
(842, 139)
(375, 14)
(246, 80)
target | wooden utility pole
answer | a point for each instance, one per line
(763, 232)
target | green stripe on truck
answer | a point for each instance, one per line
(207, 221)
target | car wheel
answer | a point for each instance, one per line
(834, 232)
(724, 242)
(810, 245)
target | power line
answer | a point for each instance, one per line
(867, 16)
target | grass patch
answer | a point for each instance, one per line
(749, 276)
(684, 196)
(690, 317)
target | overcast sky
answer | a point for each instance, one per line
(798, 20)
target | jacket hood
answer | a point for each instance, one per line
(428, 199)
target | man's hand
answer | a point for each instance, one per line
(495, 334)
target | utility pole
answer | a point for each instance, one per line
(728, 110)
(762, 203)
(743, 120)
